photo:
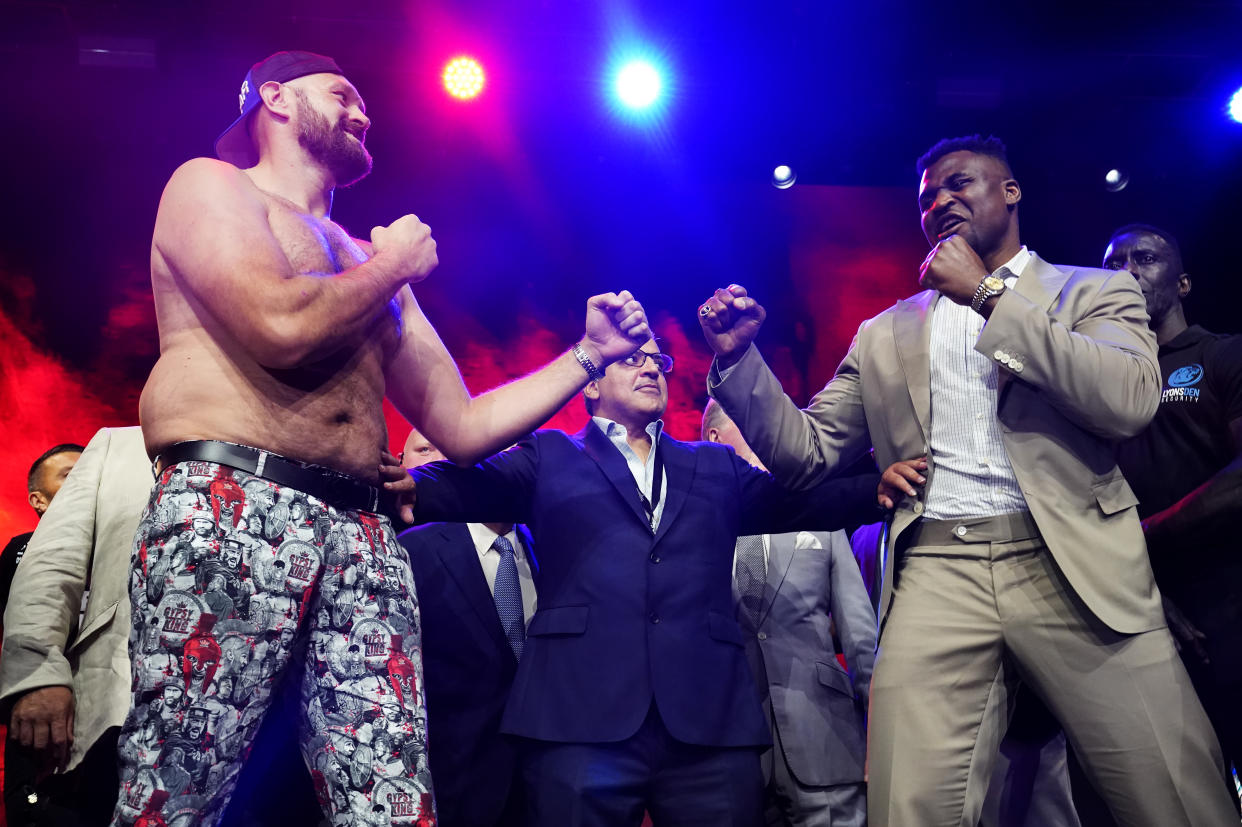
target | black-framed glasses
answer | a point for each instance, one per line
(663, 362)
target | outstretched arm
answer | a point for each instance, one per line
(212, 235)
(800, 447)
(424, 384)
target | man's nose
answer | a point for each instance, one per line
(360, 117)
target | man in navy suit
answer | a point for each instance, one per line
(633, 691)
(468, 661)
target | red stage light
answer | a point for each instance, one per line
(463, 78)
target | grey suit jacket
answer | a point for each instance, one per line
(817, 708)
(88, 531)
(1078, 372)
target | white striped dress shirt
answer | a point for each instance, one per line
(973, 476)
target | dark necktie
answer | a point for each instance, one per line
(752, 574)
(507, 592)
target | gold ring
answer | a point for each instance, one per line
(703, 311)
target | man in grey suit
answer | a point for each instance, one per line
(68, 681)
(814, 771)
(1017, 552)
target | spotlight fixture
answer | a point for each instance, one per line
(1235, 106)
(783, 177)
(463, 78)
(1115, 180)
(638, 84)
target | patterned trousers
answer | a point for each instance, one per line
(236, 581)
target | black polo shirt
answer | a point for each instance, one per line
(1188, 440)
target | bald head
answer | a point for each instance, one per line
(419, 450)
(718, 427)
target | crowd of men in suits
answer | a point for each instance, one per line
(594, 628)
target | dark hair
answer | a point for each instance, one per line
(63, 448)
(991, 146)
(1150, 230)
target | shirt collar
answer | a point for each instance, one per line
(1015, 265)
(483, 538)
(612, 429)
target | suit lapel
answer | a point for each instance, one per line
(912, 338)
(679, 463)
(599, 448)
(457, 553)
(780, 556)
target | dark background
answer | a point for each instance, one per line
(542, 192)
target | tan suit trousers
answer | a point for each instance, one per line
(974, 614)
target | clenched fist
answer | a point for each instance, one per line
(730, 320)
(408, 242)
(616, 326)
(953, 268)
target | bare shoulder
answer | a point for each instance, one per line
(205, 183)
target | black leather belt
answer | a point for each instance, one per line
(333, 487)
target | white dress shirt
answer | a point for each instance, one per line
(973, 476)
(643, 472)
(489, 559)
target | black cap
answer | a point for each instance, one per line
(234, 144)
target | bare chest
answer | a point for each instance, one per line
(313, 246)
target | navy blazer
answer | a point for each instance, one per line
(468, 669)
(627, 616)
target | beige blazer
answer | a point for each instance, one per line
(1078, 372)
(88, 531)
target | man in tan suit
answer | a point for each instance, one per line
(1021, 557)
(68, 685)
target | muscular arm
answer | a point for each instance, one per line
(212, 235)
(1101, 372)
(1207, 513)
(425, 386)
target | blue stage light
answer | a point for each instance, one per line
(638, 84)
(1235, 106)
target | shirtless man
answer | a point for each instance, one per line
(279, 336)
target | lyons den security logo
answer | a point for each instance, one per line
(1182, 384)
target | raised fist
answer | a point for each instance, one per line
(730, 320)
(408, 242)
(616, 326)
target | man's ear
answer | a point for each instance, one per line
(1183, 285)
(277, 98)
(38, 501)
(713, 435)
(591, 391)
(1013, 192)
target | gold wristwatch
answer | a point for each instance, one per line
(989, 287)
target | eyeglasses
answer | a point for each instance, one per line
(663, 362)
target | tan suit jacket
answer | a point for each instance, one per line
(88, 530)
(1078, 372)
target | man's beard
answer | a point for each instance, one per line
(339, 152)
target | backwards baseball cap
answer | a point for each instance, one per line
(234, 144)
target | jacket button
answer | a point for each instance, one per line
(655, 558)
(918, 508)
(762, 635)
(653, 617)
